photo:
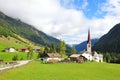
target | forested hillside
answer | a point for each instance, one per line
(109, 45)
(10, 27)
(109, 42)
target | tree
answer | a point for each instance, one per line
(53, 48)
(15, 58)
(62, 47)
(46, 50)
(108, 57)
(30, 54)
(57, 48)
(39, 54)
(73, 50)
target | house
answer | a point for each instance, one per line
(97, 57)
(94, 56)
(25, 50)
(51, 56)
(87, 55)
(11, 49)
(36, 50)
(77, 58)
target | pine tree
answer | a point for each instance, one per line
(73, 50)
(46, 50)
(53, 48)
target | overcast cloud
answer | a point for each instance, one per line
(70, 24)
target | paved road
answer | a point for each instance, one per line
(21, 63)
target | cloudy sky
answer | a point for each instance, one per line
(68, 20)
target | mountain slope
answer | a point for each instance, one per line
(82, 46)
(109, 42)
(10, 27)
(13, 42)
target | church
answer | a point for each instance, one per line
(91, 56)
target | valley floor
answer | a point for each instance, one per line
(35, 70)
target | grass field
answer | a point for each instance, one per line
(7, 56)
(5, 43)
(12, 42)
(64, 71)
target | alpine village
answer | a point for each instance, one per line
(30, 54)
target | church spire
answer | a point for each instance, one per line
(88, 36)
(89, 43)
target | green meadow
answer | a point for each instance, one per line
(35, 70)
(12, 42)
(7, 56)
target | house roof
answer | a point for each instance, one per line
(81, 52)
(25, 49)
(97, 55)
(85, 52)
(52, 55)
(9, 48)
(36, 48)
(75, 55)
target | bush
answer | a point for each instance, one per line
(15, 58)
(21, 58)
(44, 61)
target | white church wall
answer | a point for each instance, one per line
(88, 56)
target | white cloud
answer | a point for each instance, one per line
(85, 4)
(69, 24)
(112, 7)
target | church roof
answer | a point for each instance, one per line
(88, 36)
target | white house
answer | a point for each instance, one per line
(97, 57)
(10, 49)
(94, 56)
(87, 55)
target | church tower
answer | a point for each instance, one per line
(89, 43)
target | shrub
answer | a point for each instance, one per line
(44, 61)
(21, 58)
(15, 58)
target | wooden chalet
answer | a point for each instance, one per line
(25, 50)
(51, 56)
(77, 58)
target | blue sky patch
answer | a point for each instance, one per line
(90, 8)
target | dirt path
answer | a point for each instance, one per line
(21, 63)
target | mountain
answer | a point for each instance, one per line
(110, 42)
(13, 27)
(82, 46)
